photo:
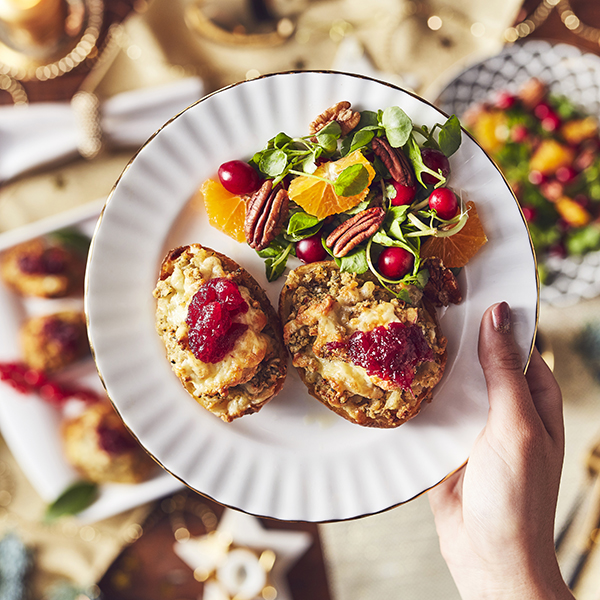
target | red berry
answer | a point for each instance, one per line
(537, 177)
(551, 122)
(395, 263)
(542, 110)
(444, 201)
(34, 378)
(505, 100)
(52, 392)
(436, 161)
(566, 174)
(311, 249)
(519, 133)
(529, 212)
(405, 194)
(238, 177)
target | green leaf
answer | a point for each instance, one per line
(275, 264)
(414, 154)
(73, 500)
(73, 239)
(328, 143)
(281, 140)
(361, 139)
(368, 118)
(273, 162)
(450, 136)
(354, 262)
(351, 181)
(302, 225)
(397, 125)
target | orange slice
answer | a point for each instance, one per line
(318, 197)
(458, 249)
(226, 211)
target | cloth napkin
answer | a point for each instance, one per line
(40, 134)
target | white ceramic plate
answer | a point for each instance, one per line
(30, 427)
(295, 460)
(568, 72)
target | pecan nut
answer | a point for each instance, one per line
(441, 288)
(355, 230)
(395, 160)
(341, 112)
(266, 211)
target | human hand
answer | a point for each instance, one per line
(495, 516)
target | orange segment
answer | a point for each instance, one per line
(458, 249)
(318, 197)
(226, 211)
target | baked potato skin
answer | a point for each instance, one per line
(313, 283)
(268, 380)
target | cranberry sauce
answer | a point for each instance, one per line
(212, 332)
(51, 261)
(68, 335)
(114, 441)
(391, 353)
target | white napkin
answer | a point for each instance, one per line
(43, 133)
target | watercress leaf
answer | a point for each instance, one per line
(354, 262)
(274, 267)
(351, 181)
(301, 221)
(397, 125)
(333, 128)
(368, 118)
(73, 239)
(450, 136)
(73, 500)
(422, 277)
(309, 164)
(361, 138)
(281, 140)
(345, 144)
(327, 142)
(360, 206)
(273, 162)
(413, 151)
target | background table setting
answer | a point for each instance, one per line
(81, 92)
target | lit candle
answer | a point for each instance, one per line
(38, 22)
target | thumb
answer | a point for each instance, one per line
(502, 364)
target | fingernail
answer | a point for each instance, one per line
(501, 318)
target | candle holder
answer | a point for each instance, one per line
(44, 39)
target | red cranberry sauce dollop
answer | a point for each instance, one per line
(212, 331)
(51, 261)
(391, 353)
(114, 441)
(67, 335)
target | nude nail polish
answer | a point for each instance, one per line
(501, 318)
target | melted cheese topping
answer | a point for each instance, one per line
(336, 321)
(174, 295)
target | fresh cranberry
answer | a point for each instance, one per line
(34, 378)
(392, 353)
(551, 122)
(394, 263)
(537, 177)
(444, 201)
(311, 249)
(566, 174)
(542, 110)
(519, 133)
(212, 333)
(505, 100)
(530, 213)
(238, 177)
(436, 161)
(405, 194)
